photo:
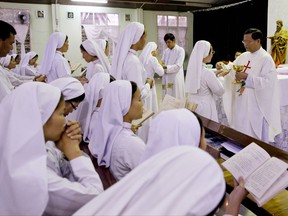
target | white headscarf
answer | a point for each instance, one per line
(130, 35)
(184, 124)
(5, 61)
(93, 94)
(94, 50)
(25, 61)
(178, 181)
(101, 43)
(70, 87)
(23, 172)
(195, 65)
(27, 57)
(115, 104)
(55, 41)
(146, 53)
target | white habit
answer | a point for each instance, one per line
(173, 79)
(257, 111)
(22, 150)
(113, 143)
(202, 83)
(71, 184)
(54, 65)
(101, 64)
(26, 68)
(87, 113)
(126, 65)
(184, 124)
(181, 180)
(151, 66)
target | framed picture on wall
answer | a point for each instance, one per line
(40, 13)
(70, 15)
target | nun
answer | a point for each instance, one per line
(113, 142)
(181, 180)
(201, 83)
(28, 64)
(152, 66)
(54, 64)
(187, 130)
(95, 57)
(91, 105)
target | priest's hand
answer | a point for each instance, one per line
(240, 76)
(150, 82)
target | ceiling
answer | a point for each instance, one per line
(159, 5)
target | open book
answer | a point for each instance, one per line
(170, 102)
(264, 176)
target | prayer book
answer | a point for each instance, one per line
(264, 176)
(170, 102)
(146, 115)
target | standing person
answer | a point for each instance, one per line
(114, 144)
(95, 57)
(151, 64)
(256, 110)
(202, 83)
(279, 44)
(181, 180)
(126, 65)
(54, 64)
(187, 130)
(173, 59)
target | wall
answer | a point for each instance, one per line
(150, 22)
(56, 19)
(40, 28)
(277, 10)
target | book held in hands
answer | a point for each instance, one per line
(264, 176)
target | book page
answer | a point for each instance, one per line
(266, 175)
(146, 115)
(246, 161)
(276, 188)
(170, 102)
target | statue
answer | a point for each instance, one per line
(279, 44)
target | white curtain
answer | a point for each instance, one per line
(110, 33)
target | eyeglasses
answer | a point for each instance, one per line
(73, 106)
(246, 42)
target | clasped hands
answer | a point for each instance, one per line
(70, 140)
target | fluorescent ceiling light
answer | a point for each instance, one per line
(92, 1)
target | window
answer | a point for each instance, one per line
(176, 25)
(100, 26)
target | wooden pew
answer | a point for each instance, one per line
(104, 173)
(276, 206)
